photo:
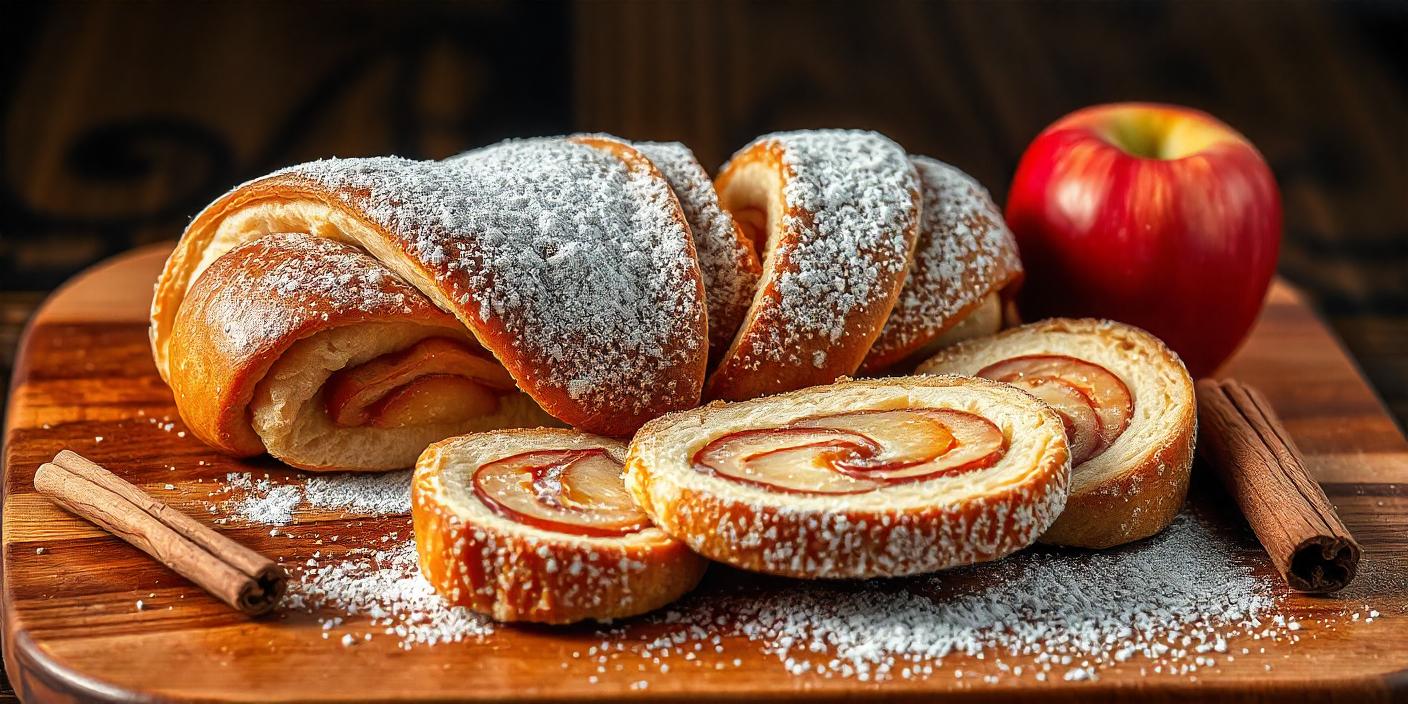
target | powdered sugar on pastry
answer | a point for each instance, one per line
(314, 277)
(727, 262)
(964, 253)
(580, 256)
(850, 193)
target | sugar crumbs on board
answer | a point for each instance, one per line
(385, 586)
(1169, 605)
(1172, 602)
(260, 500)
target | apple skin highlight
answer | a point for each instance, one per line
(1153, 215)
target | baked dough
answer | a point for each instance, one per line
(834, 215)
(965, 272)
(1135, 484)
(486, 559)
(567, 260)
(992, 503)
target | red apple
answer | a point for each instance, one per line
(1154, 215)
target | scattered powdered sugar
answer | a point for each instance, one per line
(578, 256)
(727, 263)
(262, 501)
(850, 197)
(1171, 604)
(964, 252)
(385, 586)
(1173, 601)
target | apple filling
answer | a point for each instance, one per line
(1094, 404)
(851, 453)
(569, 491)
(436, 380)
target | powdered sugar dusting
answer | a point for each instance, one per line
(1182, 601)
(728, 265)
(261, 500)
(579, 256)
(385, 586)
(1173, 601)
(964, 252)
(850, 196)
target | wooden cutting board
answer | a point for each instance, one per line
(71, 630)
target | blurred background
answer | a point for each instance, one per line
(121, 119)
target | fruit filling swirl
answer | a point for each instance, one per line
(1093, 402)
(436, 380)
(579, 492)
(855, 452)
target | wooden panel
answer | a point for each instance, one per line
(71, 629)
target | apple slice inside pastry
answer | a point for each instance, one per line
(569, 491)
(860, 451)
(1094, 404)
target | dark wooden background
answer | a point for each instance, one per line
(122, 119)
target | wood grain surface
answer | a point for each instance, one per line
(72, 631)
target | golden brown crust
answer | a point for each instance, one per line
(964, 253)
(229, 330)
(516, 573)
(1139, 498)
(796, 335)
(417, 255)
(841, 540)
(1139, 504)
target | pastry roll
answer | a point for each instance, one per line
(1127, 405)
(965, 272)
(873, 478)
(565, 262)
(536, 525)
(834, 215)
(313, 351)
(727, 262)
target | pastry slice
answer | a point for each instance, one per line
(873, 478)
(536, 525)
(1128, 407)
(834, 215)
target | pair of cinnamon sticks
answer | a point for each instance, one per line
(238, 576)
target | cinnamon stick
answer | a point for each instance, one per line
(238, 576)
(1251, 451)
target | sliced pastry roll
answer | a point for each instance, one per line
(536, 525)
(964, 275)
(561, 267)
(868, 478)
(834, 215)
(1128, 407)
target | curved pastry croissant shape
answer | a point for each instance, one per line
(567, 260)
(834, 215)
(965, 271)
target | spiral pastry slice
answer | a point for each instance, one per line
(536, 525)
(1127, 405)
(834, 215)
(566, 263)
(871, 478)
